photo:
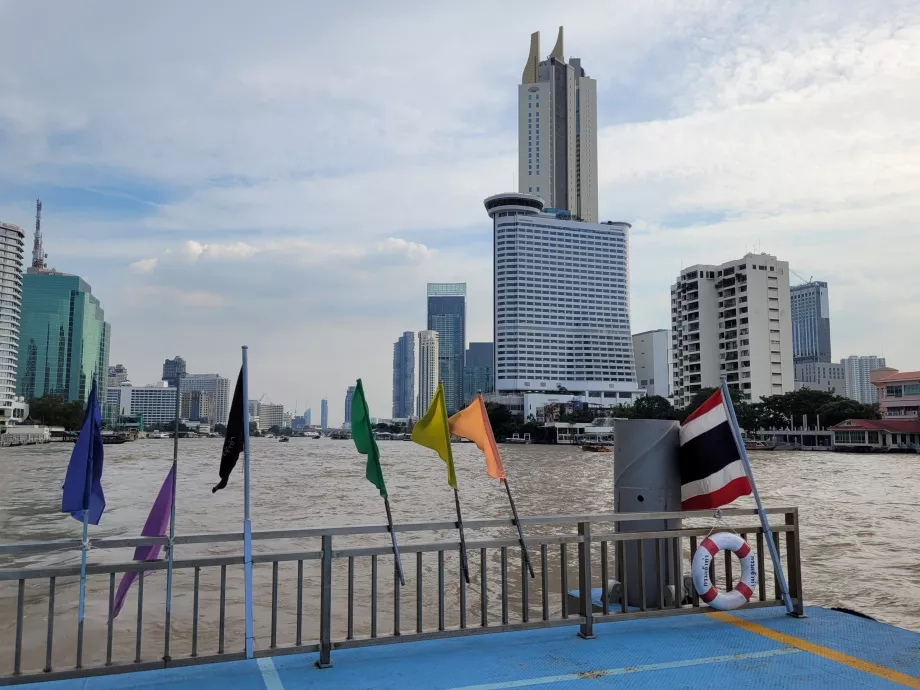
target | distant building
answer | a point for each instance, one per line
(811, 323)
(427, 369)
(118, 374)
(447, 317)
(479, 370)
(297, 423)
(898, 394)
(404, 375)
(856, 371)
(308, 417)
(156, 403)
(566, 98)
(561, 302)
(173, 370)
(270, 415)
(324, 414)
(651, 350)
(12, 243)
(63, 337)
(288, 420)
(881, 435)
(349, 396)
(217, 386)
(821, 376)
(732, 319)
(197, 406)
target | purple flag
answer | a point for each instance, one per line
(155, 526)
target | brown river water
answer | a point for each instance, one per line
(860, 523)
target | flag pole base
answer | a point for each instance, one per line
(323, 664)
(585, 637)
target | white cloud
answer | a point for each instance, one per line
(144, 265)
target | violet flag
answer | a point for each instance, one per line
(83, 481)
(156, 525)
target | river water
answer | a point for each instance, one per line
(860, 514)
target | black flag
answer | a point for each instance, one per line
(233, 442)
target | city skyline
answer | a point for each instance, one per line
(187, 227)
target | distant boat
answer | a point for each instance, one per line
(595, 448)
(518, 439)
(759, 445)
(158, 434)
(284, 439)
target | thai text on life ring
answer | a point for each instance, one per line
(702, 559)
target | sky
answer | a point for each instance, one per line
(289, 175)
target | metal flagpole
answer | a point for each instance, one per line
(247, 525)
(463, 562)
(517, 523)
(399, 568)
(172, 520)
(83, 578)
(774, 555)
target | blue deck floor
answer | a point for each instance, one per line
(680, 652)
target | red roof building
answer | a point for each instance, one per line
(879, 435)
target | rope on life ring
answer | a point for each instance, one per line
(702, 559)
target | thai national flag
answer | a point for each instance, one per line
(711, 471)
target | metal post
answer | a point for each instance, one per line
(517, 523)
(586, 605)
(463, 563)
(82, 607)
(325, 603)
(392, 530)
(172, 524)
(247, 525)
(765, 524)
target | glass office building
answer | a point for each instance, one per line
(447, 317)
(63, 339)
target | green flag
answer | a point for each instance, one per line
(364, 440)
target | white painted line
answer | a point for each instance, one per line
(269, 674)
(603, 673)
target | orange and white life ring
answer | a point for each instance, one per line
(747, 583)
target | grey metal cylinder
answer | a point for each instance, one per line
(646, 479)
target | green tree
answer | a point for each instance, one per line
(53, 410)
(840, 409)
(702, 396)
(653, 407)
(254, 429)
(501, 419)
(220, 429)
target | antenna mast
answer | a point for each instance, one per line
(38, 254)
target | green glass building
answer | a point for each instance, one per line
(63, 338)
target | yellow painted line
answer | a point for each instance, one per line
(818, 650)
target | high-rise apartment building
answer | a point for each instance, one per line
(404, 376)
(324, 414)
(651, 351)
(155, 404)
(557, 132)
(307, 417)
(561, 302)
(428, 363)
(217, 387)
(173, 370)
(811, 323)
(12, 249)
(479, 370)
(197, 406)
(270, 415)
(63, 337)
(732, 319)
(856, 371)
(349, 396)
(447, 317)
(118, 374)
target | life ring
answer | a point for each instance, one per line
(747, 583)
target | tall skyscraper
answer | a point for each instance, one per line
(811, 323)
(219, 389)
(349, 396)
(652, 361)
(856, 370)
(428, 363)
(404, 376)
(324, 414)
(307, 417)
(271, 415)
(63, 337)
(566, 99)
(12, 249)
(479, 370)
(732, 319)
(173, 370)
(447, 317)
(561, 302)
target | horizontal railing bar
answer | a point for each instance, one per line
(291, 556)
(683, 532)
(428, 547)
(682, 611)
(123, 542)
(282, 651)
(104, 569)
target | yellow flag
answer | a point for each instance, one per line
(432, 432)
(473, 423)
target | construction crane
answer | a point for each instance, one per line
(801, 277)
(38, 253)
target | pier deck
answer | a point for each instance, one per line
(752, 648)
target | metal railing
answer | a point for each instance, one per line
(333, 594)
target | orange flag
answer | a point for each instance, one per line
(473, 423)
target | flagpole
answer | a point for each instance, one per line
(517, 523)
(172, 521)
(399, 568)
(463, 562)
(83, 582)
(247, 525)
(764, 523)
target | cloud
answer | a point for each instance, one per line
(144, 265)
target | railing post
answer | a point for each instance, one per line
(325, 611)
(586, 607)
(794, 563)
